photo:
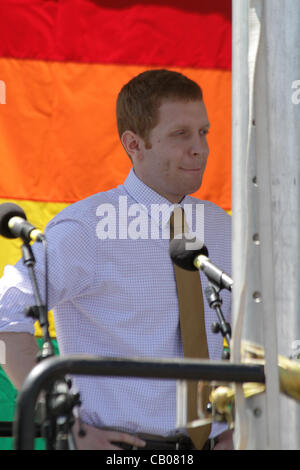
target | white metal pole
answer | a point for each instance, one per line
(266, 169)
(280, 68)
(250, 424)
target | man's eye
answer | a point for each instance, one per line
(181, 132)
(204, 132)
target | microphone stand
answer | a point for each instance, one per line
(214, 300)
(38, 311)
(57, 406)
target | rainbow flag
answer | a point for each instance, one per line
(62, 64)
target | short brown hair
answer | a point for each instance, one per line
(139, 100)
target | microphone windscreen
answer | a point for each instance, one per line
(184, 257)
(7, 211)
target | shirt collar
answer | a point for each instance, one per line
(145, 195)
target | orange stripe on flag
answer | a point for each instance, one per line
(58, 135)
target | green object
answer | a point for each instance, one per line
(8, 397)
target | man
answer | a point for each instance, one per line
(111, 281)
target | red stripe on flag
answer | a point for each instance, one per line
(192, 33)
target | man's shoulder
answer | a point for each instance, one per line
(86, 209)
(210, 208)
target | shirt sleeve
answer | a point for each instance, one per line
(70, 273)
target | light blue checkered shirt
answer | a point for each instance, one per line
(117, 297)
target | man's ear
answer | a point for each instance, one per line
(132, 144)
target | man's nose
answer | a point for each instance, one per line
(199, 147)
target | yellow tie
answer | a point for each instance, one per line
(192, 327)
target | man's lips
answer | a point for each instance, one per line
(191, 169)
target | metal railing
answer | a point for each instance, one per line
(56, 367)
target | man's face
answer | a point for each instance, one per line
(175, 163)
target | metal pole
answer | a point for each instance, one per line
(250, 431)
(279, 68)
(266, 209)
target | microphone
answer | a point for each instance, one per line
(197, 258)
(13, 224)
